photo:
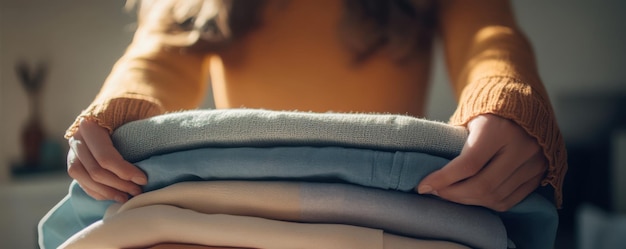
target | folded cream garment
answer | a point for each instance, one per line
(401, 213)
(154, 224)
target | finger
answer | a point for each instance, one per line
(477, 151)
(518, 149)
(76, 170)
(473, 190)
(99, 143)
(93, 193)
(96, 190)
(507, 168)
(519, 194)
(480, 191)
(535, 167)
(507, 164)
(95, 172)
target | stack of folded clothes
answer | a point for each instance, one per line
(273, 179)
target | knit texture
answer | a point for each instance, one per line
(115, 112)
(263, 128)
(509, 98)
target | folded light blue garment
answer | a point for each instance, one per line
(262, 128)
(407, 214)
(530, 224)
(385, 170)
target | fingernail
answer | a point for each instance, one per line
(424, 189)
(139, 180)
(434, 193)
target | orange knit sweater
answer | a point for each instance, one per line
(491, 65)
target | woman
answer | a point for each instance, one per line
(340, 56)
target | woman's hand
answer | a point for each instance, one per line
(98, 166)
(498, 167)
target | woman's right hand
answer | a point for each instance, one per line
(98, 166)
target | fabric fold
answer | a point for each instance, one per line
(171, 132)
(328, 164)
(407, 214)
(387, 152)
(154, 224)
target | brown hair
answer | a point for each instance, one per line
(404, 26)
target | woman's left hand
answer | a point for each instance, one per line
(499, 166)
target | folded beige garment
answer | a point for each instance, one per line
(289, 201)
(155, 224)
(187, 246)
(271, 200)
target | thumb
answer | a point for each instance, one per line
(459, 169)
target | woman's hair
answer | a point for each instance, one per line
(403, 26)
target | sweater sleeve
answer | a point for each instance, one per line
(494, 72)
(151, 78)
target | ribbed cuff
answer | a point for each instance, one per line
(509, 98)
(113, 113)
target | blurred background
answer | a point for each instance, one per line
(69, 46)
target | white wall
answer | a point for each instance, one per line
(80, 39)
(580, 47)
(579, 43)
(23, 204)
